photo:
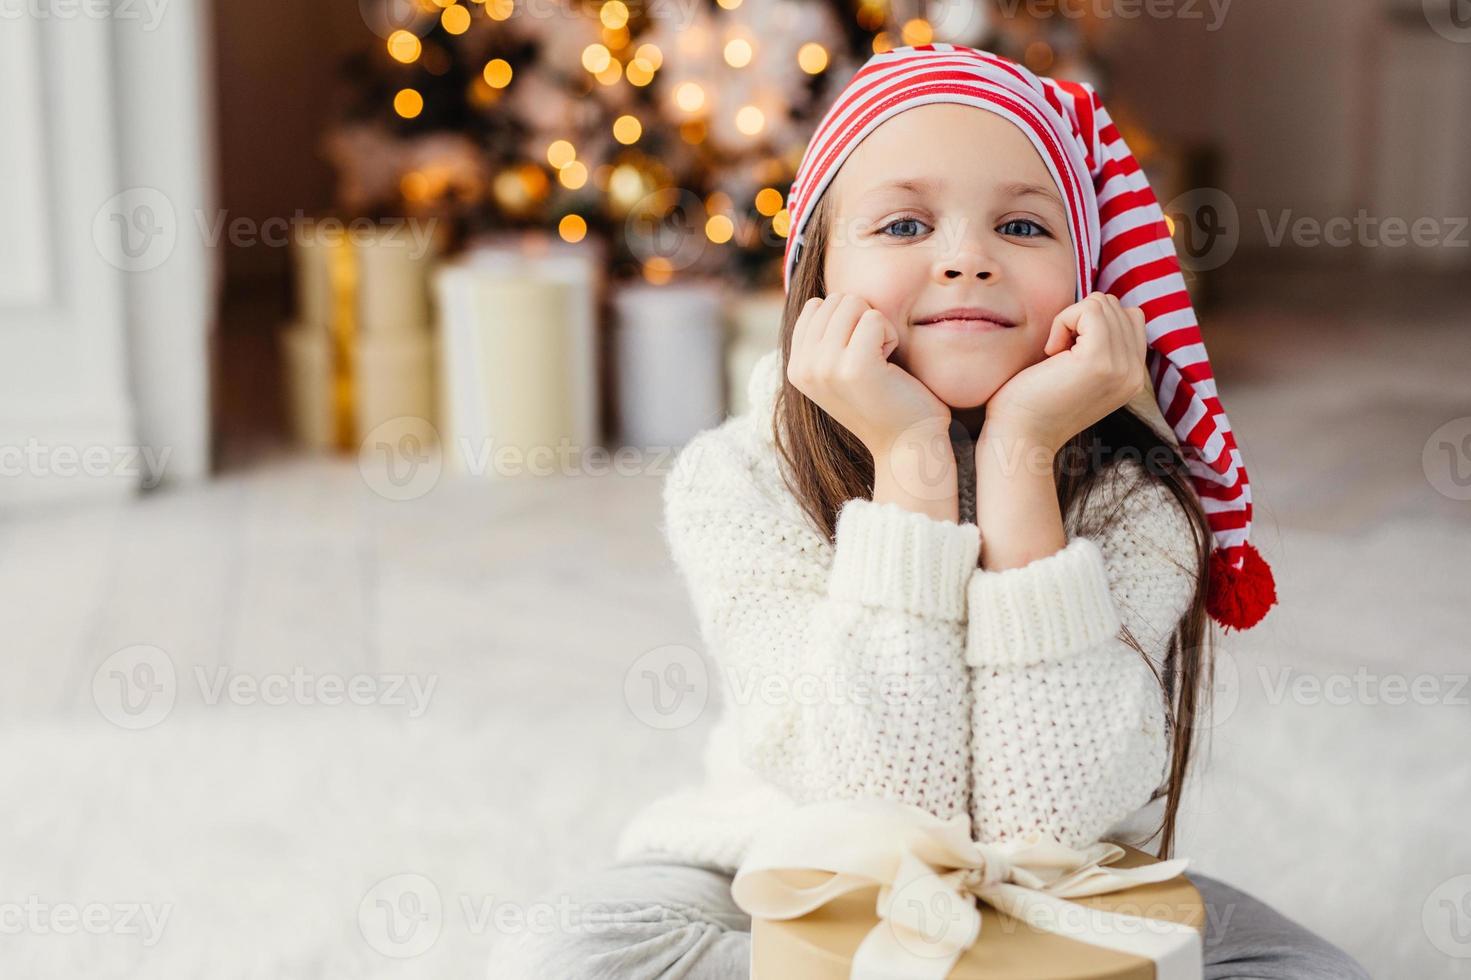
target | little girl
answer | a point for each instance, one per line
(959, 550)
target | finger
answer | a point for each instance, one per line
(1141, 332)
(868, 336)
(891, 338)
(840, 325)
(800, 355)
(802, 329)
(1095, 327)
(1061, 335)
(823, 315)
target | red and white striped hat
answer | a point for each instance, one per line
(1121, 244)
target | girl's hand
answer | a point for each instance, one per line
(840, 359)
(1095, 364)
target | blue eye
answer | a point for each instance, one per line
(901, 221)
(1025, 221)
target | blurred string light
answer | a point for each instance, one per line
(560, 153)
(782, 223)
(455, 19)
(571, 172)
(499, 9)
(768, 201)
(650, 54)
(574, 175)
(627, 129)
(693, 132)
(750, 120)
(917, 31)
(719, 229)
(611, 73)
(404, 46)
(812, 58)
(497, 73)
(596, 58)
(614, 14)
(690, 97)
(408, 103)
(658, 270)
(738, 52)
(572, 228)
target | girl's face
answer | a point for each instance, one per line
(947, 206)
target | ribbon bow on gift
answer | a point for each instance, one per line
(931, 872)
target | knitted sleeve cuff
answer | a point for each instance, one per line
(886, 555)
(1049, 609)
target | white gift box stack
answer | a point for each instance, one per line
(361, 349)
(518, 358)
(671, 362)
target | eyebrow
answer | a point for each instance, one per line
(920, 185)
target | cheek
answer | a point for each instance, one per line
(1049, 292)
(867, 272)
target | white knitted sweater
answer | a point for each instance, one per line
(887, 663)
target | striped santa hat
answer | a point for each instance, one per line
(1122, 246)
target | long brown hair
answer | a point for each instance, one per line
(826, 465)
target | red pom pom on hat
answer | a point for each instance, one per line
(1238, 598)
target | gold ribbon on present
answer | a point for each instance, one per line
(930, 874)
(342, 266)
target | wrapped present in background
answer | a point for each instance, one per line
(360, 350)
(520, 355)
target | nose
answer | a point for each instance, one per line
(968, 260)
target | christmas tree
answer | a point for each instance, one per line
(669, 128)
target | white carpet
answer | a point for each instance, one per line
(263, 833)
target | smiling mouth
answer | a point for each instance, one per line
(966, 324)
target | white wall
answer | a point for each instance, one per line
(1311, 103)
(106, 296)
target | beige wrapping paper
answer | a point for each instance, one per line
(820, 945)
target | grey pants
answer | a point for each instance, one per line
(678, 922)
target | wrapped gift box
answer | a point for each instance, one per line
(820, 945)
(877, 889)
